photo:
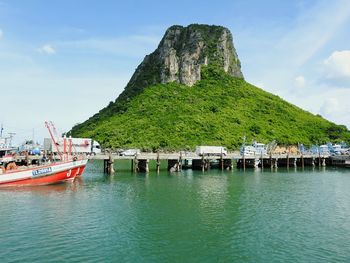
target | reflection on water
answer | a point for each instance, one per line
(278, 215)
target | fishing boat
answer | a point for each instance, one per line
(256, 149)
(6, 147)
(56, 171)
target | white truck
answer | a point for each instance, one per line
(79, 145)
(211, 150)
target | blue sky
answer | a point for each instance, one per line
(65, 60)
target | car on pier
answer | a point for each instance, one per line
(130, 152)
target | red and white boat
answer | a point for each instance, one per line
(43, 174)
(48, 173)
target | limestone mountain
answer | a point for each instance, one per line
(191, 91)
(179, 57)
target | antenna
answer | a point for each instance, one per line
(2, 128)
(11, 136)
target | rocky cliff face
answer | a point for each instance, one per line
(179, 57)
(184, 50)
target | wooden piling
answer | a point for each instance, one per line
(288, 160)
(135, 161)
(203, 164)
(110, 164)
(222, 161)
(319, 159)
(180, 162)
(158, 163)
(302, 161)
(243, 162)
(262, 160)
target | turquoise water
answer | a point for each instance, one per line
(234, 216)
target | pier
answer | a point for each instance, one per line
(175, 162)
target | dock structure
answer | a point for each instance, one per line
(185, 160)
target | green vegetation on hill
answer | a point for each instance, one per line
(218, 110)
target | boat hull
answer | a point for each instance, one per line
(44, 175)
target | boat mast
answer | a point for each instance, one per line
(52, 137)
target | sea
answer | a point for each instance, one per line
(278, 215)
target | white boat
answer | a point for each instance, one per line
(324, 150)
(6, 148)
(256, 149)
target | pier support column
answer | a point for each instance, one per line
(203, 163)
(179, 165)
(302, 161)
(110, 163)
(323, 162)
(287, 161)
(243, 162)
(221, 162)
(136, 164)
(158, 163)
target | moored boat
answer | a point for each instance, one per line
(65, 169)
(52, 173)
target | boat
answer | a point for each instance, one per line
(324, 150)
(51, 172)
(6, 148)
(256, 149)
(338, 149)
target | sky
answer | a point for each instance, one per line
(65, 60)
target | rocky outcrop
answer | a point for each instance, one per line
(184, 50)
(179, 57)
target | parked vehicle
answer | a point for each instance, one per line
(77, 145)
(130, 152)
(211, 150)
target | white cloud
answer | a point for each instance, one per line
(338, 65)
(329, 106)
(47, 49)
(333, 105)
(1, 33)
(315, 29)
(299, 81)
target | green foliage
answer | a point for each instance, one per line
(218, 110)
